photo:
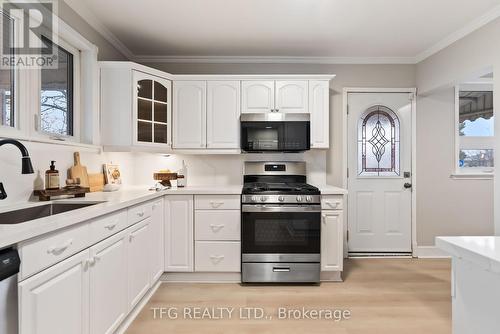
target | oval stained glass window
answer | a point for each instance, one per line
(378, 142)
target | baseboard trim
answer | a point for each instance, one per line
(201, 277)
(431, 252)
(137, 309)
(331, 276)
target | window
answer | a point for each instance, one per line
(378, 143)
(7, 106)
(57, 94)
(475, 129)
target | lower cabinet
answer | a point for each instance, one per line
(108, 283)
(332, 240)
(179, 235)
(56, 301)
(157, 240)
(139, 261)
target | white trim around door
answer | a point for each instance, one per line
(413, 91)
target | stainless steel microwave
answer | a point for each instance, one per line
(275, 132)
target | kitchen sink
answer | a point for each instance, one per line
(36, 212)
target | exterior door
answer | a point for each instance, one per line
(379, 161)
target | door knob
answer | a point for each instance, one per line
(407, 185)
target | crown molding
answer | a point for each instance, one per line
(274, 60)
(81, 9)
(459, 34)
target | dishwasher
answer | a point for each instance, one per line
(9, 267)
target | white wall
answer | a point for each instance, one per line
(458, 62)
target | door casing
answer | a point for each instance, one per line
(345, 165)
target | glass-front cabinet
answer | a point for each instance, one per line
(152, 110)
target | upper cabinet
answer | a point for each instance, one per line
(258, 96)
(135, 108)
(206, 114)
(292, 97)
(319, 108)
(275, 96)
(190, 109)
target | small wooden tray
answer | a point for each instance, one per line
(165, 178)
(45, 195)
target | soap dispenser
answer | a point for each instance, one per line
(52, 177)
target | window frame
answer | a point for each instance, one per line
(470, 142)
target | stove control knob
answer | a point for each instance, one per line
(281, 198)
(299, 198)
(309, 198)
(255, 199)
(263, 199)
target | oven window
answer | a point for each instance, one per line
(281, 233)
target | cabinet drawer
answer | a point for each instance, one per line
(217, 202)
(105, 226)
(214, 256)
(47, 250)
(217, 225)
(332, 202)
(139, 212)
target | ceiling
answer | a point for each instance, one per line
(393, 31)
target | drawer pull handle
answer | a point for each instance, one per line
(216, 259)
(332, 205)
(281, 269)
(59, 249)
(216, 228)
(216, 205)
(110, 226)
(140, 214)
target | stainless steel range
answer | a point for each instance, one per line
(281, 218)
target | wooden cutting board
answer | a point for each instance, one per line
(79, 171)
(96, 182)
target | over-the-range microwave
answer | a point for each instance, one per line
(275, 132)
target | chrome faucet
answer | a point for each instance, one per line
(26, 166)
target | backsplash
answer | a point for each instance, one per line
(138, 168)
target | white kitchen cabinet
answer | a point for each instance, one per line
(189, 113)
(57, 299)
(138, 261)
(257, 96)
(223, 114)
(319, 108)
(332, 240)
(135, 104)
(179, 236)
(108, 284)
(157, 237)
(292, 96)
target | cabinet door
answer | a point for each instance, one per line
(319, 107)
(223, 114)
(332, 241)
(56, 301)
(179, 236)
(157, 244)
(257, 96)
(292, 96)
(190, 114)
(138, 261)
(152, 110)
(108, 284)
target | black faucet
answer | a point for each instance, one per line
(26, 166)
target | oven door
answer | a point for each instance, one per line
(271, 232)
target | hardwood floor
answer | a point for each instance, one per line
(386, 296)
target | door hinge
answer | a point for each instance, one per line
(347, 172)
(347, 107)
(347, 235)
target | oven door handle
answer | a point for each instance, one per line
(281, 208)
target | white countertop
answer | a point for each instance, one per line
(112, 201)
(484, 251)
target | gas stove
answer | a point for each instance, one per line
(281, 218)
